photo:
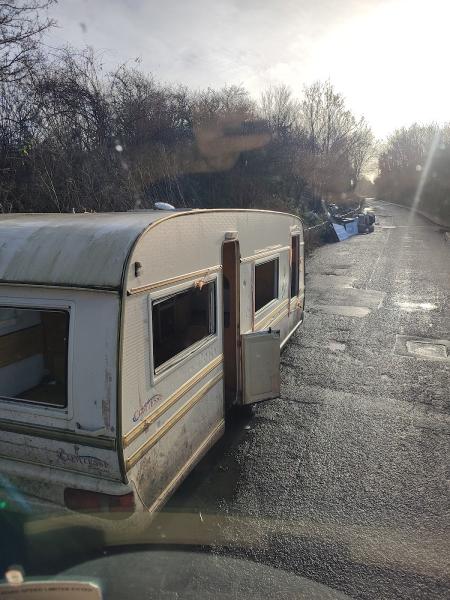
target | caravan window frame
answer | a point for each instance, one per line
(273, 258)
(295, 237)
(25, 407)
(166, 368)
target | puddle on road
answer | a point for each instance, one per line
(416, 306)
(330, 280)
(343, 311)
(335, 346)
(333, 295)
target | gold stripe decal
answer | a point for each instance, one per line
(272, 315)
(273, 252)
(165, 282)
(280, 317)
(174, 419)
(171, 400)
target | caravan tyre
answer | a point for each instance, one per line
(239, 413)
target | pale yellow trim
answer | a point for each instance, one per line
(296, 301)
(267, 318)
(170, 401)
(277, 319)
(171, 422)
(210, 440)
(259, 255)
(172, 280)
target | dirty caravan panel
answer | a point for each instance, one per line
(33, 355)
(60, 410)
(167, 413)
(172, 351)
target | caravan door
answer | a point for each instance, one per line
(252, 360)
(231, 321)
(261, 366)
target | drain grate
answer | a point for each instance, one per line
(427, 348)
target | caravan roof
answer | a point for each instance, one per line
(86, 250)
(82, 250)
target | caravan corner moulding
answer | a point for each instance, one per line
(125, 339)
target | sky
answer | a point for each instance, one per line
(387, 57)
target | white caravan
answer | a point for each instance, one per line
(126, 338)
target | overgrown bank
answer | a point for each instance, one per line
(414, 170)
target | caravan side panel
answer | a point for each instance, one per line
(172, 401)
(173, 411)
(75, 441)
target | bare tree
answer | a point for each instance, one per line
(73, 136)
(414, 169)
(21, 26)
(341, 143)
(280, 109)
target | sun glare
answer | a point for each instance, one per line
(390, 62)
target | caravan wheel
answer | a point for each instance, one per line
(239, 413)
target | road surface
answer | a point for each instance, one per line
(344, 479)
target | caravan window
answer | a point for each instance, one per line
(181, 320)
(295, 266)
(266, 283)
(33, 355)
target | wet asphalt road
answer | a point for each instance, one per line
(344, 479)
